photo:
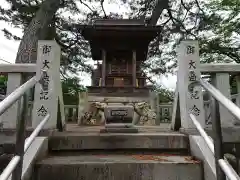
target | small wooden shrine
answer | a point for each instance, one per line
(119, 47)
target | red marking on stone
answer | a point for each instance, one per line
(191, 159)
(150, 157)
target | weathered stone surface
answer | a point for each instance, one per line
(200, 150)
(229, 134)
(80, 141)
(119, 130)
(118, 167)
(37, 150)
(118, 114)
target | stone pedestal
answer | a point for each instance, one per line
(119, 115)
(119, 130)
(190, 97)
(119, 119)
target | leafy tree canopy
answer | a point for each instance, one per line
(3, 84)
(165, 95)
(71, 87)
(215, 23)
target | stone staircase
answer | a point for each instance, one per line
(106, 156)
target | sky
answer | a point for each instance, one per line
(8, 49)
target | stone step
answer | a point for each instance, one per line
(107, 141)
(118, 167)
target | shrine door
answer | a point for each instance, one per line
(118, 82)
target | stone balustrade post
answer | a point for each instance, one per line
(188, 72)
(10, 117)
(49, 95)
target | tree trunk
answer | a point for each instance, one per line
(157, 11)
(38, 29)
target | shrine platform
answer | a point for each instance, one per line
(74, 128)
(119, 91)
(89, 137)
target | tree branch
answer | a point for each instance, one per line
(163, 24)
(86, 5)
(157, 11)
(179, 24)
(15, 5)
(198, 5)
(105, 15)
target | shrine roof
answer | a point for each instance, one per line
(123, 34)
(118, 28)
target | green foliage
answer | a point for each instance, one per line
(165, 95)
(71, 88)
(215, 23)
(3, 84)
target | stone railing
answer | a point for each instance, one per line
(189, 92)
(165, 112)
(207, 107)
(71, 113)
(219, 74)
(47, 94)
(15, 74)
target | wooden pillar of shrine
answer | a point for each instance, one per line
(103, 67)
(134, 68)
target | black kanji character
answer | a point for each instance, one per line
(45, 76)
(45, 64)
(44, 95)
(195, 110)
(44, 81)
(42, 111)
(45, 86)
(46, 49)
(193, 93)
(190, 49)
(192, 64)
(192, 76)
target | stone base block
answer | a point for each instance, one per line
(142, 140)
(118, 167)
(118, 114)
(119, 130)
(119, 125)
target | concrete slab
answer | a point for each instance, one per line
(119, 167)
(38, 149)
(119, 130)
(90, 129)
(118, 114)
(82, 141)
(229, 134)
(200, 150)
